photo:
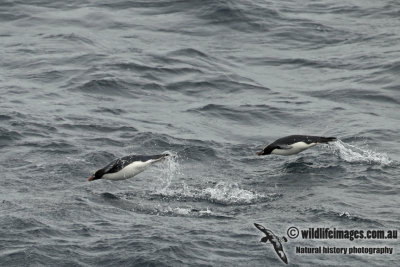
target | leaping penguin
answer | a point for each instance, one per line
(294, 144)
(275, 241)
(126, 167)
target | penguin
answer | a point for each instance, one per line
(293, 144)
(275, 241)
(126, 167)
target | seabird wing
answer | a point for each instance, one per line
(261, 228)
(281, 253)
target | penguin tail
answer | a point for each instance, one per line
(163, 156)
(326, 140)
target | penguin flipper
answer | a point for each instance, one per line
(114, 166)
(285, 147)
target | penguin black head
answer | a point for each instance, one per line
(97, 175)
(266, 151)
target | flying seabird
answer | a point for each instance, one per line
(275, 241)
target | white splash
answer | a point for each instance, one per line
(344, 214)
(230, 193)
(223, 193)
(179, 211)
(188, 211)
(170, 168)
(351, 153)
(169, 185)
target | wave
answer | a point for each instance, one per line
(97, 127)
(247, 16)
(7, 136)
(218, 84)
(351, 153)
(250, 114)
(189, 52)
(159, 70)
(106, 86)
(72, 37)
(346, 95)
(161, 209)
(295, 63)
(341, 216)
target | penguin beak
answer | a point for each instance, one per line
(91, 178)
(260, 153)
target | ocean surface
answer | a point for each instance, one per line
(211, 83)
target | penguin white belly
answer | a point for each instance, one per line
(129, 171)
(294, 149)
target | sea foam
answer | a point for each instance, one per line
(351, 153)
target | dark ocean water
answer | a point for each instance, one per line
(211, 82)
